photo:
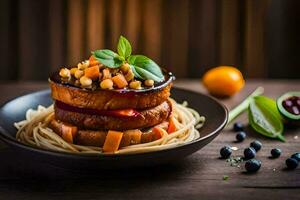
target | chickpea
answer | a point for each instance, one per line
(83, 65)
(125, 67)
(106, 74)
(86, 63)
(135, 85)
(107, 84)
(78, 74)
(65, 73)
(85, 81)
(73, 70)
(149, 83)
(79, 66)
(129, 76)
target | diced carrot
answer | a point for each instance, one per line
(120, 81)
(92, 72)
(171, 128)
(157, 133)
(93, 61)
(112, 141)
(68, 132)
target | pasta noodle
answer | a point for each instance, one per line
(34, 131)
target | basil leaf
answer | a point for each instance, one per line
(108, 58)
(124, 47)
(136, 74)
(146, 68)
(263, 118)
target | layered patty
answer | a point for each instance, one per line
(110, 99)
(97, 138)
(92, 119)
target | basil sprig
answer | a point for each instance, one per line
(124, 47)
(108, 58)
(142, 66)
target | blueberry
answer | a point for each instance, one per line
(240, 136)
(275, 153)
(252, 165)
(238, 126)
(291, 163)
(249, 153)
(296, 156)
(225, 152)
(256, 145)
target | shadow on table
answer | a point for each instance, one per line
(20, 174)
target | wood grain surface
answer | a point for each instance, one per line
(200, 176)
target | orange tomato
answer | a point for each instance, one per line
(223, 81)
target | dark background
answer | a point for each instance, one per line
(260, 37)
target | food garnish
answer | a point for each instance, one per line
(108, 70)
(223, 81)
(143, 67)
(225, 177)
(235, 161)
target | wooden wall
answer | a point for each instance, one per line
(186, 36)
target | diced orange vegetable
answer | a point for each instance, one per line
(68, 132)
(157, 133)
(93, 61)
(112, 141)
(120, 81)
(171, 128)
(92, 72)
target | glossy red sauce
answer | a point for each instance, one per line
(114, 113)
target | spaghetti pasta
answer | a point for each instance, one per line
(34, 131)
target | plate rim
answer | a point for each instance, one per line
(11, 141)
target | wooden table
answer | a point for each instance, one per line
(200, 176)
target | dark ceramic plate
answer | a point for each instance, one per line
(215, 113)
